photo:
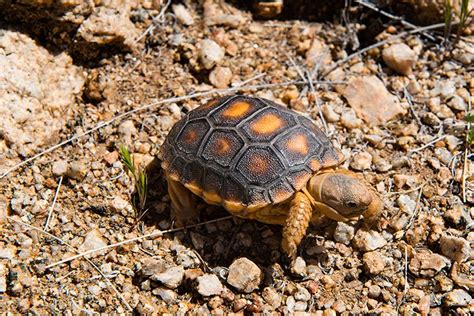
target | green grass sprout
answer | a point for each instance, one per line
(140, 179)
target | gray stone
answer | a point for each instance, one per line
(368, 240)
(457, 298)
(344, 233)
(209, 285)
(188, 259)
(244, 275)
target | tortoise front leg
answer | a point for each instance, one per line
(297, 222)
(183, 203)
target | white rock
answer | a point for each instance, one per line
(93, 240)
(220, 77)
(244, 275)
(299, 267)
(209, 285)
(399, 57)
(368, 240)
(171, 277)
(118, 204)
(182, 14)
(344, 233)
(60, 168)
(210, 53)
(350, 121)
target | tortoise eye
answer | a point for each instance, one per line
(351, 204)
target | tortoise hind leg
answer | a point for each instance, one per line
(297, 222)
(183, 203)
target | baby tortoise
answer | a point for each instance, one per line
(261, 161)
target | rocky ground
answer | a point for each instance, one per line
(71, 70)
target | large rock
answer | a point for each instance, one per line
(36, 95)
(371, 100)
(109, 26)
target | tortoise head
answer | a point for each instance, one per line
(340, 195)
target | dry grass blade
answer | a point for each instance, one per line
(151, 235)
(122, 299)
(152, 105)
(50, 213)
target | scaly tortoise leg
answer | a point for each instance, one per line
(297, 222)
(183, 203)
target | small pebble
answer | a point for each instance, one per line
(93, 240)
(209, 285)
(400, 57)
(167, 295)
(77, 170)
(171, 277)
(344, 233)
(368, 240)
(361, 161)
(271, 296)
(455, 248)
(458, 297)
(244, 275)
(374, 262)
(210, 53)
(299, 267)
(3, 278)
(60, 168)
(427, 264)
(182, 14)
(220, 77)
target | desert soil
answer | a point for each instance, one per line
(92, 76)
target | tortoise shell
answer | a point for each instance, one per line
(245, 153)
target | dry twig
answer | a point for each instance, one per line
(139, 238)
(50, 214)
